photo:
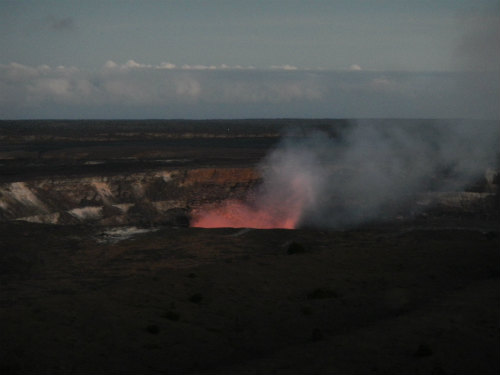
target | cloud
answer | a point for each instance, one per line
(166, 65)
(111, 65)
(354, 67)
(167, 90)
(135, 64)
(269, 92)
(215, 67)
(30, 87)
(198, 67)
(187, 87)
(284, 67)
(56, 87)
(132, 64)
(15, 72)
(237, 67)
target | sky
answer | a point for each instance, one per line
(249, 59)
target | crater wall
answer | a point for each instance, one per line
(151, 197)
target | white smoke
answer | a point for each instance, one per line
(374, 169)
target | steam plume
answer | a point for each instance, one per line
(368, 171)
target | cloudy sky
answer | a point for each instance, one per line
(249, 58)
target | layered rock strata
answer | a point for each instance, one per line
(152, 197)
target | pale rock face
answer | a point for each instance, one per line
(52, 218)
(87, 213)
(124, 207)
(20, 193)
(4, 205)
(164, 206)
(102, 188)
(138, 198)
(166, 176)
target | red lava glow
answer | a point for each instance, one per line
(235, 214)
(279, 205)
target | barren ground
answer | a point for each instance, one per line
(416, 297)
(393, 300)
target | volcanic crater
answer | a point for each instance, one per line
(105, 267)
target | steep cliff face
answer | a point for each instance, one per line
(165, 196)
(155, 197)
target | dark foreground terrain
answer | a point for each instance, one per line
(399, 299)
(100, 273)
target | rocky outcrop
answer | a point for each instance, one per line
(168, 196)
(154, 197)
